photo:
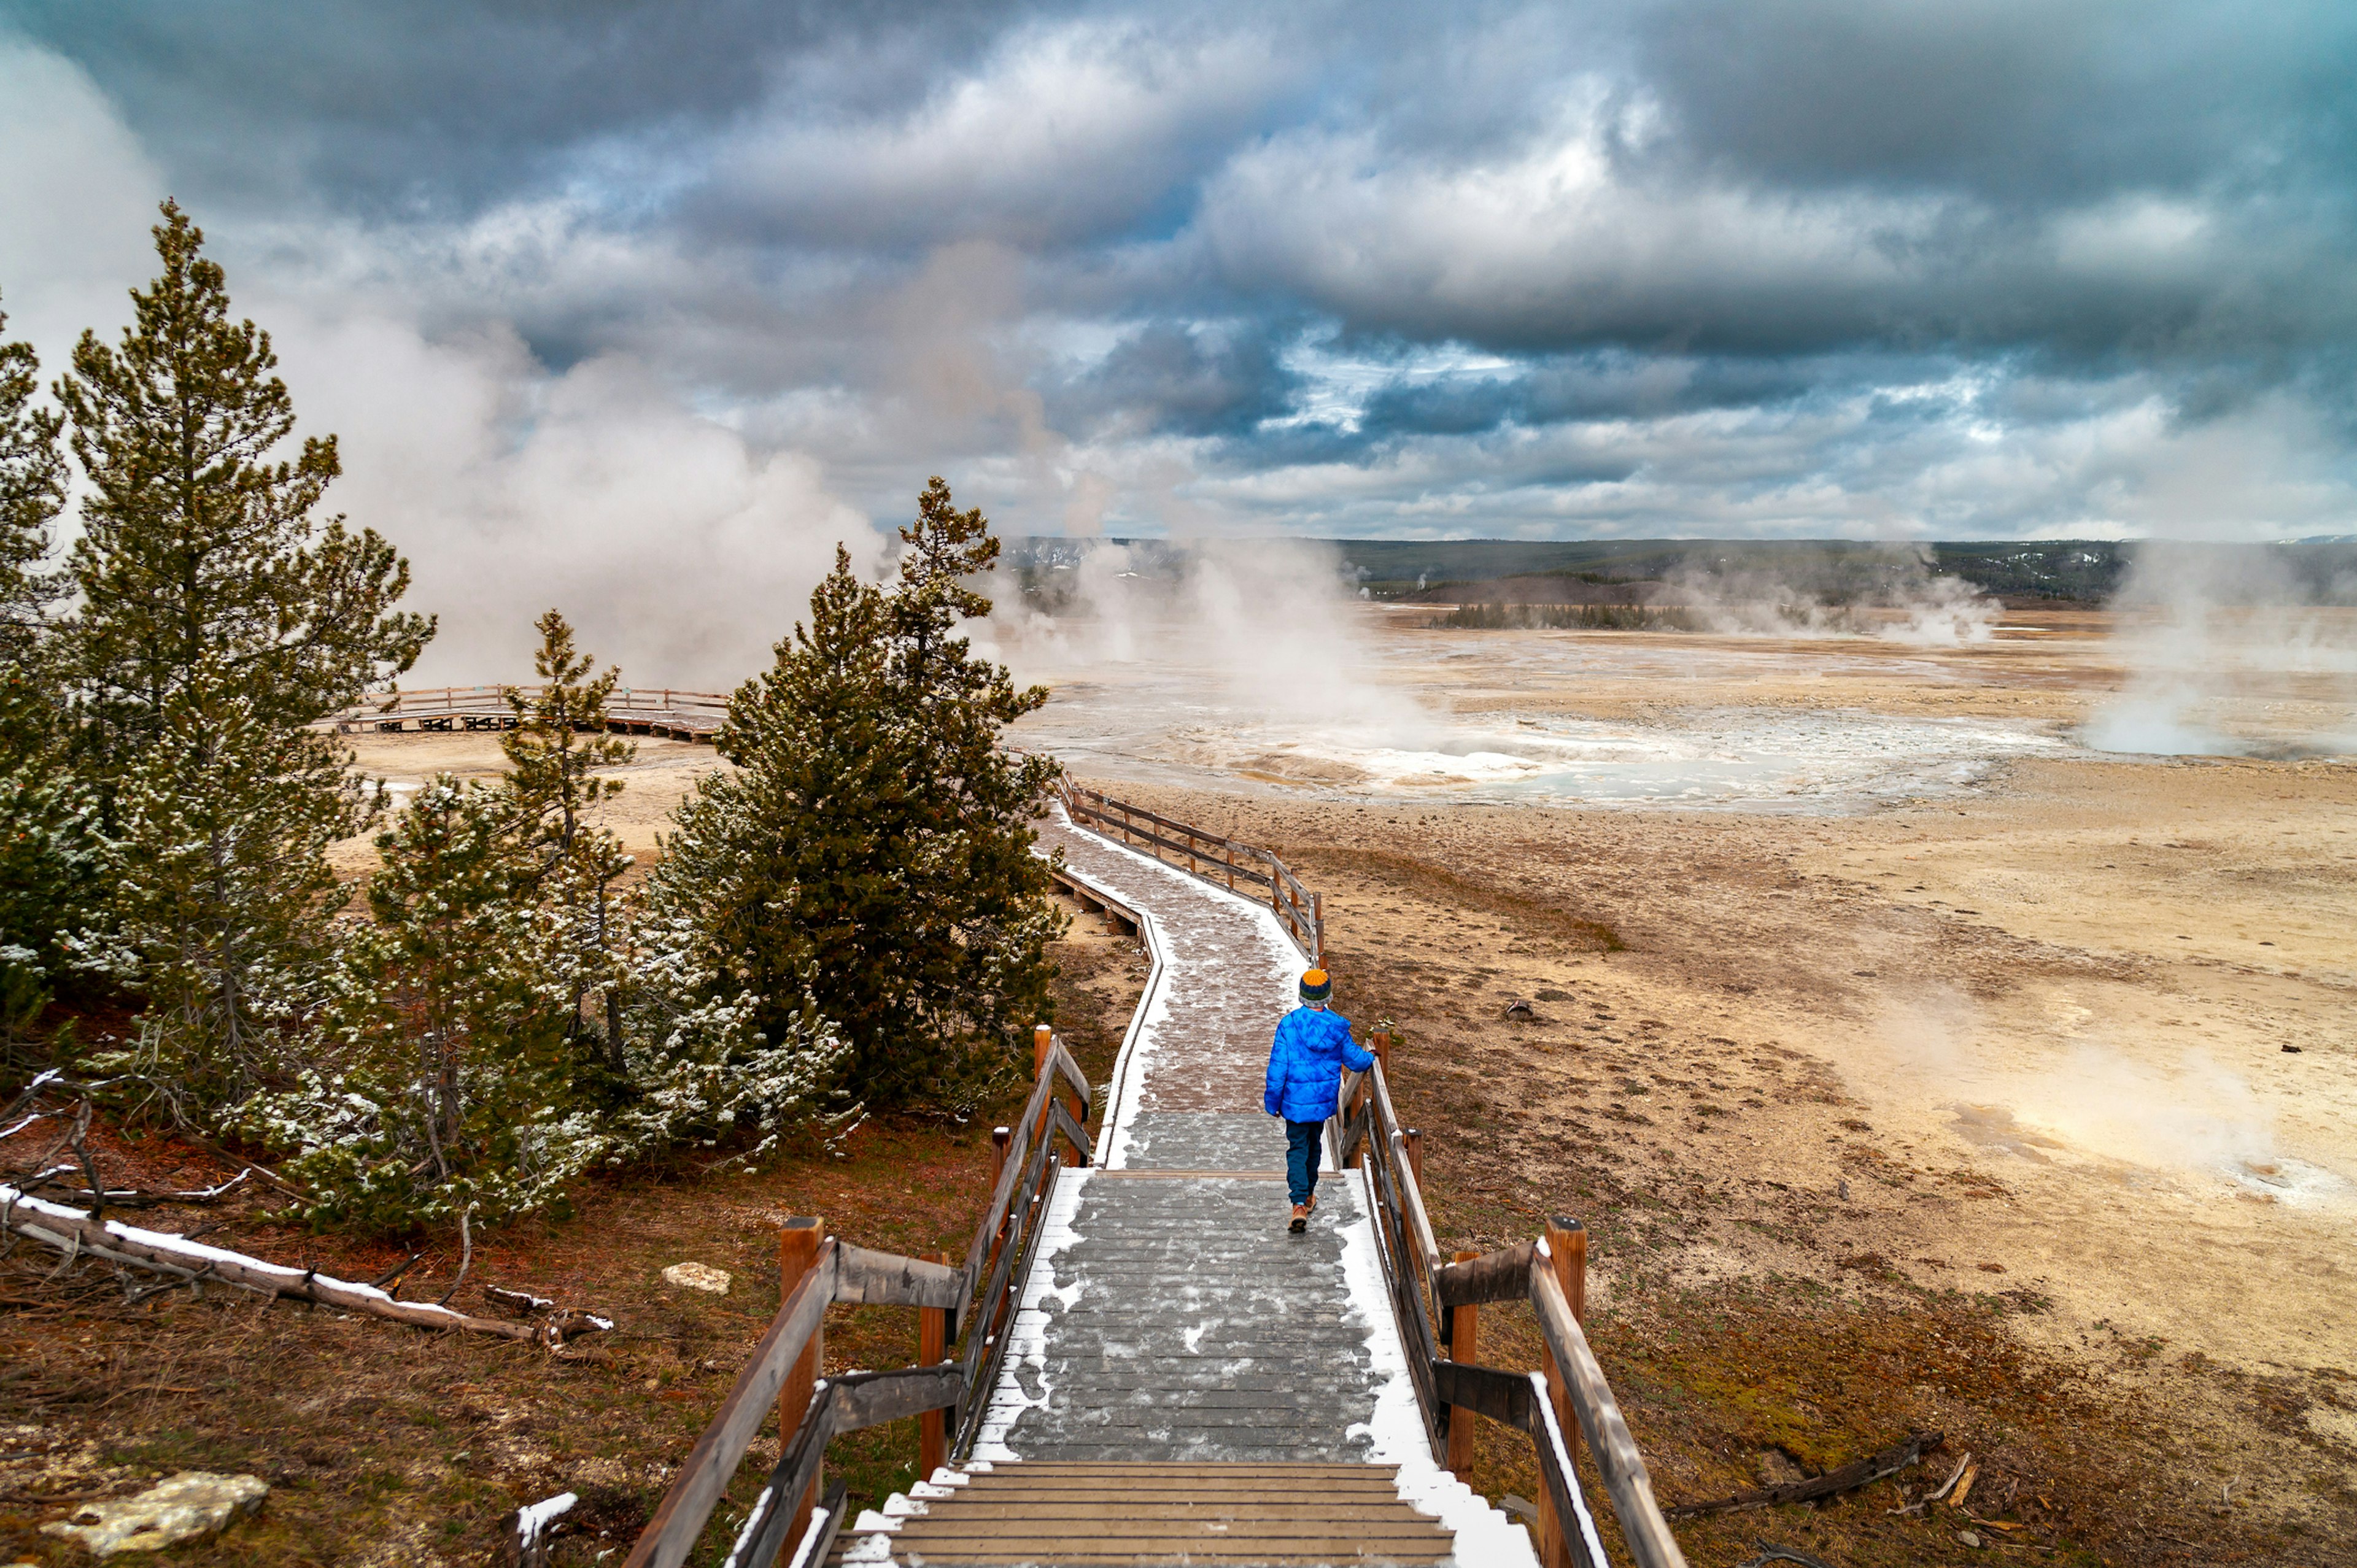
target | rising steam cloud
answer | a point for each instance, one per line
(2232, 652)
(1892, 594)
(679, 550)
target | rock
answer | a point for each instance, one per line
(1968, 1538)
(697, 1276)
(187, 1507)
(1777, 1468)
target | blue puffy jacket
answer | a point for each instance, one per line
(1305, 1062)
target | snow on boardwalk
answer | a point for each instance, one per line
(1170, 1315)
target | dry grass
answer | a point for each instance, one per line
(385, 1445)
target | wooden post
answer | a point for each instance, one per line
(1042, 1039)
(1318, 928)
(1380, 1044)
(1464, 1330)
(1566, 1241)
(1001, 1138)
(933, 1345)
(1414, 1138)
(797, 1256)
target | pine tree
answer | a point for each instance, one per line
(223, 888)
(197, 548)
(438, 1066)
(220, 616)
(559, 743)
(32, 494)
(871, 854)
(52, 862)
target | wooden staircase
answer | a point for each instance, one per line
(1068, 1515)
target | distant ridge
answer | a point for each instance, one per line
(2084, 571)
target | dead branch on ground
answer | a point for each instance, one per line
(127, 1197)
(1858, 1473)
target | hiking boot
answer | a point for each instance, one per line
(1300, 1219)
(1311, 1206)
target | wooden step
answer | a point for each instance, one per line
(1085, 1515)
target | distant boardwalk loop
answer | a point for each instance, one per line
(665, 711)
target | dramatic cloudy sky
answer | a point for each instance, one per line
(595, 289)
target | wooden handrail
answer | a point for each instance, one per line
(1626, 1480)
(851, 1401)
(1300, 908)
(1406, 1247)
(671, 1533)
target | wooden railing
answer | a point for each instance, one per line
(632, 710)
(952, 1391)
(1217, 860)
(1436, 1301)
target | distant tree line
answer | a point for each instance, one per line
(851, 915)
(1501, 617)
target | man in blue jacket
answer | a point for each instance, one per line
(1304, 1082)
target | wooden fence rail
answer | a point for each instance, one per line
(1436, 1300)
(835, 1270)
(1222, 862)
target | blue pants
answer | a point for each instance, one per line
(1302, 1141)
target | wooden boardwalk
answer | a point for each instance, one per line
(1172, 1327)
(1156, 1371)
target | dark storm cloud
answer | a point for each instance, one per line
(1604, 386)
(2019, 102)
(1609, 263)
(434, 103)
(1171, 378)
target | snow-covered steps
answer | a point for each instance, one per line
(1172, 1316)
(1055, 1515)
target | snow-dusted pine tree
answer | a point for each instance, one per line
(224, 890)
(871, 852)
(201, 544)
(438, 1052)
(553, 753)
(51, 860)
(220, 614)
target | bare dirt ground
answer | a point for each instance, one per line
(2024, 1110)
(654, 782)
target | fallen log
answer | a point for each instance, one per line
(1849, 1477)
(75, 1233)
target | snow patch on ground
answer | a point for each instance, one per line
(1396, 1429)
(1026, 1332)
